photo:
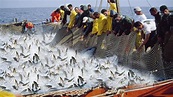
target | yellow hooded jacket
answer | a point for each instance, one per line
(95, 26)
(72, 19)
(62, 13)
(109, 22)
(6, 94)
(102, 21)
(113, 7)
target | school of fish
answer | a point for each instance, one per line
(28, 65)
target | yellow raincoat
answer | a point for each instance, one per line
(6, 94)
(95, 27)
(109, 22)
(72, 19)
(62, 13)
(113, 7)
(102, 24)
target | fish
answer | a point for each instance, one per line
(3, 49)
(62, 59)
(65, 73)
(71, 86)
(17, 54)
(15, 41)
(60, 84)
(54, 57)
(131, 73)
(39, 49)
(3, 87)
(15, 59)
(16, 83)
(62, 81)
(38, 77)
(73, 60)
(20, 75)
(29, 47)
(4, 59)
(112, 74)
(71, 79)
(110, 78)
(23, 84)
(121, 73)
(14, 87)
(26, 56)
(48, 86)
(22, 49)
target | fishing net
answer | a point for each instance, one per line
(122, 46)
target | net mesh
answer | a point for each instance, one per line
(123, 47)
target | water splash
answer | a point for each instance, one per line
(29, 65)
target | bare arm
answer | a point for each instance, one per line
(147, 36)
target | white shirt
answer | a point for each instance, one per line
(150, 23)
(139, 18)
(146, 29)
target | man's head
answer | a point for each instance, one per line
(153, 11)
(96, 15)
(89, 6)
(77, 9)
(117, 17)
(137, 10)
(104, 11)
(138, 25)
(164, 9)
(111, 1)
(70, 6)
(57, 10)
(62, 7)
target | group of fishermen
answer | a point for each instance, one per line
(109, 21)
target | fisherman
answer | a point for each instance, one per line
(95, 26)
(79, 12)
(124, 24)
(139, 15)
(66, 12)
(87, 27)
(109, 16)
(148, 36)
(72, 17)
(113, 6)
(27, 27)
(90, 9)
(165, 33)
(154, 12)
(56, 15)
(62, 14)
(102, 22)
(85, 13)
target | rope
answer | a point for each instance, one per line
(130, 7)
(100, 6)
(96, 5)
(148, 3)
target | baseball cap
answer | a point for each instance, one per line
(85, 19)
(137, 8)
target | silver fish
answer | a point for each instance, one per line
(4, 59)
(14, 87)
(22, 49)
(48, 85)
(60, 84)
(15, 59)
(39, 49)
(3, 87)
